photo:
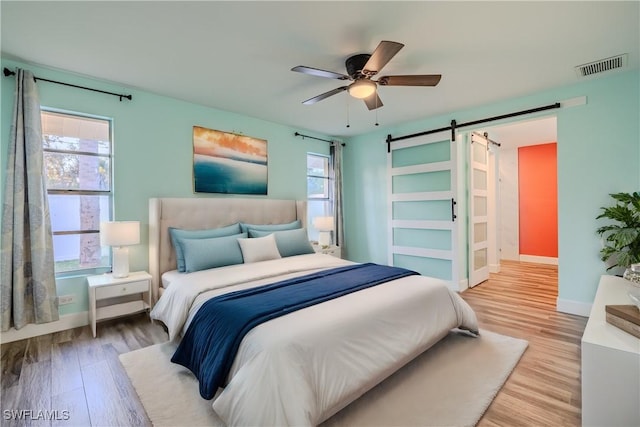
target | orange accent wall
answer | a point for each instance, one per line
(538, 199)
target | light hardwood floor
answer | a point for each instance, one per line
(72, 371)
(544, 389)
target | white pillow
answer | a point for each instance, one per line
(259, 249)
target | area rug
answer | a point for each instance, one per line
(452, 384)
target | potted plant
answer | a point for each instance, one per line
(621, 240)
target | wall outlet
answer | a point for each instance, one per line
(66, 299)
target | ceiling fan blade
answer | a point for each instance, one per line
(383, 54)
(320, 73)
(324, 95)
(415, 80)
(373, 101)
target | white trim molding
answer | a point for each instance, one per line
(574, 102)
(67, 321)
(463, 285)
(539, 259)
(573, 307)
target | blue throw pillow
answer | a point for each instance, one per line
(177, 235)
(244, 227)
(201, 254)
(289, 242)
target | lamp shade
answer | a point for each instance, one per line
(119, 233)
(323, 223)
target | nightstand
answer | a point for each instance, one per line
(332, 250)
(105, 287)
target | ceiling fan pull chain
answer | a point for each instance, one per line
(348, 125)
(377, 111)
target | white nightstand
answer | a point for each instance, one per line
(332, 250)
(105, 287)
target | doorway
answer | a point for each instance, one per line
(522, 197)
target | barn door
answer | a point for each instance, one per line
(423, 228)
(478, 210)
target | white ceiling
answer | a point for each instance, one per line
(237, 56)
(523, 133)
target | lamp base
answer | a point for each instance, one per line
(120, 266)
(324, 238)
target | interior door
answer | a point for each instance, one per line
(423, 228)
(478, 209)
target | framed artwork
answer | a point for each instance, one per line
(229, 163)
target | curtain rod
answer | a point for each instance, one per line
(8, 72)
(455, 125)
(319, 139)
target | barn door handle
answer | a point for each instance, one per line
(453, 211)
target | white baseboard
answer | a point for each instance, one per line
(463, 285)
(539, 259)
(573, 307)
(494, 268)
(68, 321)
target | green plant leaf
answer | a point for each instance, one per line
(624, 259)
(605, 228)
(623, 236)
(607, 252)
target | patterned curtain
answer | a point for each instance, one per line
(336, 156)
(27, 277)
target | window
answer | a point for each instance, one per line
(319, 190)
(77, 168)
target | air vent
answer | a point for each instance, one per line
(615, 62)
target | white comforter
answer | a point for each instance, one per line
(301, 368)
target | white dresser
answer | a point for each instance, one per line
(610, 363)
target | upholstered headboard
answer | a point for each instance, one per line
(200, 213)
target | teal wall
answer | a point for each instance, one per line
(153, 149)
(598, 154)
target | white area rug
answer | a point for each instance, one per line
(452, 384)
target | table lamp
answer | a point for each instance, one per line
(324, 224)
(119, 235)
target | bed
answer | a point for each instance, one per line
(305, 366)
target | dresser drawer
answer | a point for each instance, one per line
(111, 291)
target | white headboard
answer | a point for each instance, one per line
(199, 213)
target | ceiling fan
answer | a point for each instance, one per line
(361, 68)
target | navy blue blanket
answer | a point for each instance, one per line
(211, 342)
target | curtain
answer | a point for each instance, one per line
(336, 156)
(27, 277)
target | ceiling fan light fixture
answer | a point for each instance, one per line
(362, 88)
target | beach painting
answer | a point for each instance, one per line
(228, 163)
